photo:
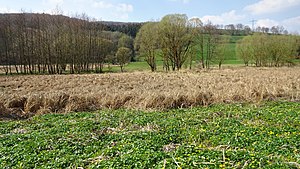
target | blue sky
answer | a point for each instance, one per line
(266, 12)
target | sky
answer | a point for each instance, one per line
(266, 13)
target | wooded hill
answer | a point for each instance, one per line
(43, 43)
(129, 28)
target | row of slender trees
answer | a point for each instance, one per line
(263, 49)
(245, 30)
(41, 43)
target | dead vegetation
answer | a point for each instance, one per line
(25, 96)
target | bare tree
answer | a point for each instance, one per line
(210, 43)
(198, 34)
(274, 30)
(231, 28)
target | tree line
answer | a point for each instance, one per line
(54, 44)
(263, 49)
(245, 30)
(177, 39)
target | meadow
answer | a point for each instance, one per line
(218, 136)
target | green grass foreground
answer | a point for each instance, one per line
(220, 136)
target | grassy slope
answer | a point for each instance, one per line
(230, 55)
(231, 136)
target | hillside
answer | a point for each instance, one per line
(129, 28)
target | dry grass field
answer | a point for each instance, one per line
(24, 96)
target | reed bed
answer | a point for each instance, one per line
(25, 96)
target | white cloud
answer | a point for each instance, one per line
(121, 7)
(51, 10)
(119, 10)
(292, 24)
(295, 20)
(7, 10)
(266, 23)
(225, 18)
(51, 7)
(102, 5)
(271, 6)
(124, 8)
